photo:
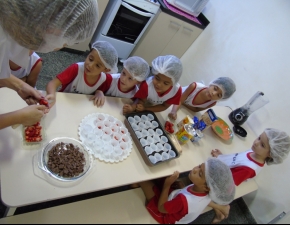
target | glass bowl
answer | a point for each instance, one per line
(87, 162)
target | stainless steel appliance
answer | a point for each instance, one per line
(124, 22)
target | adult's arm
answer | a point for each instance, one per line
(24, 90)
(26, 116)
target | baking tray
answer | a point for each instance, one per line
(137, 140)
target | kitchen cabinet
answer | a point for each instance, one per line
(167, 35)
(84, 46)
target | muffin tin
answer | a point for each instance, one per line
(150, 138)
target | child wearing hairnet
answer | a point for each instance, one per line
(211, 181)
(161, 90)
(29, 75)
(198, 97)
(125, 84)
(270, 148)
(88, 77)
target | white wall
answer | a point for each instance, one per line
(249, 41)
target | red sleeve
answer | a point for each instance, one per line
(68, 75)
(242, 173)
(104, 87)
(176, 204)
(142, 93)
(176, 98)
(176, 209)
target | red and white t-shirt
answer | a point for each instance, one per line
(243, 167)
(195, 204)
(73, 80)
(22, 72)
(182, 206)
(191, 97)
(115, 90)
(147, 91)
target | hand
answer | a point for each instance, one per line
(98, 99)
(216, 153)
(29, 94)
(171, 179)
(140, 107)
(51, 98)
(32, 114)
(172, 115)
(221, 214)
(127, 109)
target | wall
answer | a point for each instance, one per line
(249, 42)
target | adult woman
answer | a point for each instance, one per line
(41, 26)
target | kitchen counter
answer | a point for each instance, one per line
(201, 18)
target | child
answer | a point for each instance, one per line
(30, 74)
(125, 85)
(271, 147)
(161, 90)
(87, 77)
(211, 180)
(198, 97)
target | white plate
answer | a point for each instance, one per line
(90, 121)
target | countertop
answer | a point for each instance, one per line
(19, 167)
(202, 19)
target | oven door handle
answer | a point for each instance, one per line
(136, 10)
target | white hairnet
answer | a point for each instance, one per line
(168, 65)
(226, 84)
(220, 180)
(279, 142)
(108, 54)
(45, 25)
(137, 67)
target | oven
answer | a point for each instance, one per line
(123, 24)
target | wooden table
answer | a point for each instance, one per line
(20, 185)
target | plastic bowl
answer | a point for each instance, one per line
(88, 158)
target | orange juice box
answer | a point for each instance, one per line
(184, 121)
(184, 134)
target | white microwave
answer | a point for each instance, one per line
(192, 7)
